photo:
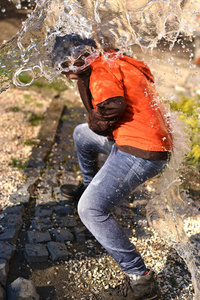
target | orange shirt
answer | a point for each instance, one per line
(142, 124)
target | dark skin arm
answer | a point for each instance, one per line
(103, 117)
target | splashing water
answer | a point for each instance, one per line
(111, 24)
(165, 211)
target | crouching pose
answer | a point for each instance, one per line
(124, 122)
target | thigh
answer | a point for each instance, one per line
(118, 177)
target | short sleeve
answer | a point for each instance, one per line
(105, 83)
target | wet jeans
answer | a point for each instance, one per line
(107, 187)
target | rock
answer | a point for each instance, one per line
(67, 221)
(6, 250)
(4, 267)
(12, 221)
(41, 224)
(18, 198)
(36, 253)
(80, 234)
(57, 250)
(9, 235)
(45, 199)
(63, 210)
(35, 237)
(62, 235)
(41, 211)
(22, 289)
(14, 210)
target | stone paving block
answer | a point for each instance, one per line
(35, 237)
(36, 160)
(27, 187)
(57, 250)
(17, 198)
(61, 235)
(41, 211)
(14, 210)
(67, 221)
(32, 173)
(80, 234)
(12, 221)
(41, 224)
(36, 253)
(4, 267)
(63, 210)
(9, 235)
(2, 293)
(22, 289)
(6, 250)
(65, 202)
(50, 178)
(45, 199)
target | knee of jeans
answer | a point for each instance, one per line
(79, 133)
(82, 210)
(90, 213)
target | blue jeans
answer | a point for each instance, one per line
(107, 187)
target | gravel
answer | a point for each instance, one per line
(16, 107)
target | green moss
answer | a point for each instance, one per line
(38, 104)
(14, 109)
(25, 78)
(36, 119)
(18, 163)
(28, 98)
(189, 112)
(29, 142)
(65, 118)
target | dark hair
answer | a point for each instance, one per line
(71, 45)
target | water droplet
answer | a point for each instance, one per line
(176, 71)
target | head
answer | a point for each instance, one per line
(71, 51)
(72, 67)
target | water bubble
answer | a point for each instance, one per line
(72, 84)
(176, 71)
(18, 6)
(26, 76)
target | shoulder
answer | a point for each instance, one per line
(103, 69)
